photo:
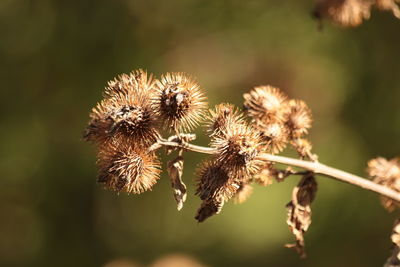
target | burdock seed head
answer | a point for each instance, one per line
(274, 136)
(125, 168)
(265, 103)
(387, 173)
(216, 186)
(125, 112)
(179, 101)
(346, 13)
(237, 148)
(298, 118)
(222, 117)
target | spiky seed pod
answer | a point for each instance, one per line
(274, 136)
(216, 185)
(128, 113)
(222, 117)
(390, 5)
(387, 173)
(298, 118)
(215, 181)
(179, 101)
(243, 193)
(237, 148)
(124, 168)
(346, 13)
(265, 103)
(137, 80)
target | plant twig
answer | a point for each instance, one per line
(316, 167)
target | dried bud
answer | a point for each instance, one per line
(298, 118)
(299, 211)
(347, 13)
(237, 148)
(265, 103)
(224, 116)
(243, 193)
(125, 112)
(274, 136)
(387, 173)
(179, 101)
(394, 259)
(124, 168)
(390, 5)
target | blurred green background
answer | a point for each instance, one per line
(56, 57)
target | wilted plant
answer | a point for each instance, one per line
(126, 127)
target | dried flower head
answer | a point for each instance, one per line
(137, 80)
(243, 193)
(387, 173)
(222, 117)
(216, 186)
(347, 13)
(265, 103)
(179, 101)
(298, 118)
(303, 148)
(125, 112)
(237, 148)
(390, 5)
(125, 168)
(394, 259)
(274, 136)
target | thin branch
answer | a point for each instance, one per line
(315, 167)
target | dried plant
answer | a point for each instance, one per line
(125, 127)
(352, 13)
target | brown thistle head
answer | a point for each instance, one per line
(298, 118)
(125, 112)
(387, 173)
(179, 102)
(346, 13)
(222, 117)
(237, 148)
(125, 168)
(274, 136)
(216, 186)
(265, 103)
(137, 80)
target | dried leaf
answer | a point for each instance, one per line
(175, 171)
(299, 211)
(394, 259)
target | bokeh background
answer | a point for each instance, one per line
(56, 57)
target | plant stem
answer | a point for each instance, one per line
(316, 167)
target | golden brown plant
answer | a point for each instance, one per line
(179, 101)
(126, 168)
(126, 125)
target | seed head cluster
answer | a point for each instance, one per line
(127, 124)
(129, 120)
